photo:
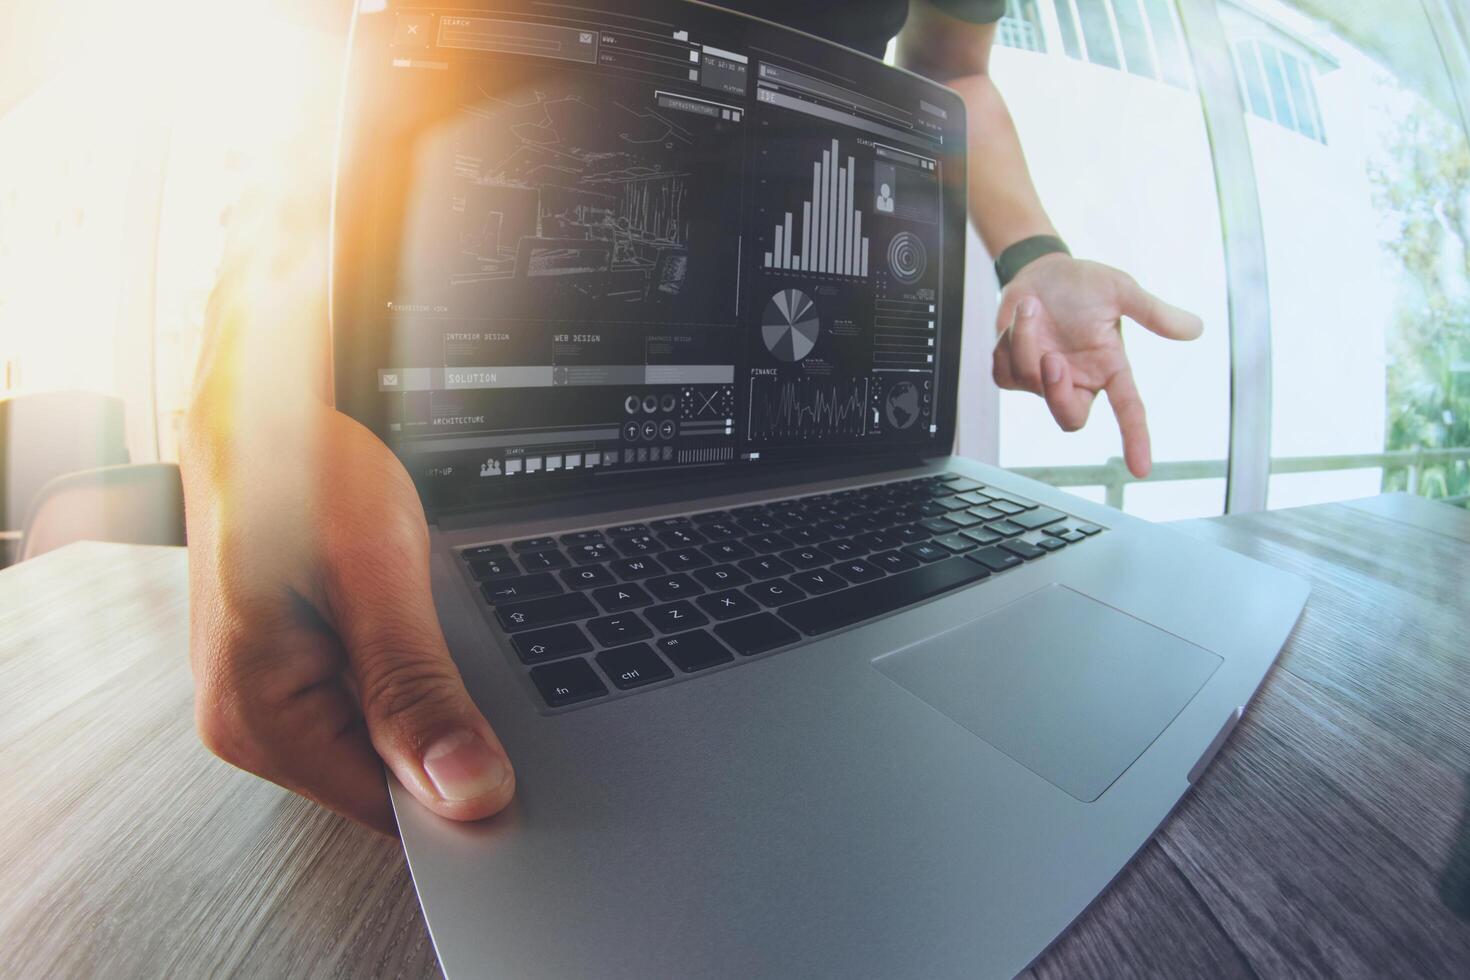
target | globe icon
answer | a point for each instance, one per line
(902, 405)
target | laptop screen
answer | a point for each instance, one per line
(580, 242)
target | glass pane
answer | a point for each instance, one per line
(1276, 83)
(1134, 35)
(1305, 122)
(1173, 61)
(1068, 27)
(1097, 30)
(1255, 80)
(1152, 213)
(1367, 241)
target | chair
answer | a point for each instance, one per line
(46, 434)
(141, 503)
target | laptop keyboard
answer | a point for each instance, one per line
(594, 614)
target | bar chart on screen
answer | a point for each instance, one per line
(831, 228)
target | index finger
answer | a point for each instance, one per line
(1132, 421)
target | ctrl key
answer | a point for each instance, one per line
(633, 666)
(567, 682)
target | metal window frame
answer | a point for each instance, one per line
(1247, 286)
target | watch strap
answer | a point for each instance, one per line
(1017, 256)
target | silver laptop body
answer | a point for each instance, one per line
(704, 271)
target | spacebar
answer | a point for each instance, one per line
(838, 609)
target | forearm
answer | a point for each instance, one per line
(1003, 201)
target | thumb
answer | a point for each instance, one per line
(419, 716)
(1162, 318)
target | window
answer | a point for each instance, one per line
(1021, 27)
(1280, 86)
(1141, 37)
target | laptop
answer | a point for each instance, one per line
(660, 307)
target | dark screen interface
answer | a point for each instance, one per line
(625, 246)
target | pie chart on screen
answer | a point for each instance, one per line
(789, 325)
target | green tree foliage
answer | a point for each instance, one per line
(1424, 190)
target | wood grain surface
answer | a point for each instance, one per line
(1331, 836)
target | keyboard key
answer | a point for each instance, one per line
(1069, 535)
(756, 634)
(587, 577)
(957, 503)
(1041, 517)
(727, 604)
(757, 524)
(674, 617)
(484, 551)
(765, 566)
(1022, 549)
(1005, 528)
(963, 519)
(909, 533)
(544, 561)
(1088, 529)
(932, 509)
(671, 587)
(581, 537)
(994, 559)
(962, 485)
(897, 561)
(616, 630)
(633, 666)
(804, 535)
(637, 544)
(616, 598)
(695, 650)
(721, 577)
(627, 530)
(669, 523)
(494, 569)
(857, 570)
(712, 517)
(774, 592)
(972, 499)
(591, 552)
(768, 543)
(875, 541)
(844, 549)
(685, 559)
(721, 530)
(1051, 544)
(981, 535)
(520, 589)
(987, 513)
(955, 543)
(517, 616)
(635, 568)
(554, 643)
(836, 529)
(727, 551)
(680, 537)
(534, 544)
(806, 557)
(567, 682)
(829, 612)
(925, 551)
(1012, 501)
(939, 525)
(818, 581)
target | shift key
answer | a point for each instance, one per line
(545, 612)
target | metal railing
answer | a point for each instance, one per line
(1113, 475)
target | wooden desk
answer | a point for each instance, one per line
(1331, 836)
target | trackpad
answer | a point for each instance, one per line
(1072, 689)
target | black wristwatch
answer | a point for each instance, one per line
(1021, 254)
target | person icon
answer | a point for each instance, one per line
(885, 199)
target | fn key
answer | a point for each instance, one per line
(567, 682)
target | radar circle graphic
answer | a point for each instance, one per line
(902, 405)
(789, 325)
(907, 259)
